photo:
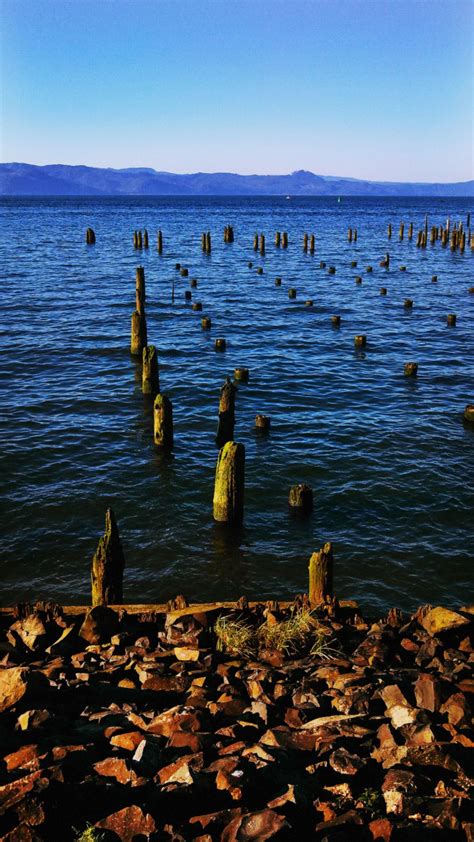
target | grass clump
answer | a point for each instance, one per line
(323, 645)
(287, 635)
(372, 801)
(234, 636)
(89, 834)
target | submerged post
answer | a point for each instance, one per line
(228, 501)
(163, 422)
(90, 237)
(225, 426)
(321, 566)
(107, 565)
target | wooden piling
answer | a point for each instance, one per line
(383, 290)
(410, 369)
(262, 423)
(197, 306)
(139, 240)
(262, 244)
(284, 240)
(292, 292)
(468, 414)
(145, 239)
(389, 231)
(255, 242)
(305, 242)
(108, 565)
(163, 422)
(208, 243)
(321, 565)
(408, 304)
(220, 344)
(277, 239)
(138, 340)
(401, 231)
(336, 321)
(140, 289)
(360, 341)
(301, 497)
(150, 373)
(225, 426)
(311, 244)
(410, 231)
(228, 500)
(349, 235)
(241, 375)
(206, 323)
(159, 242)
(90, 237)
(451, 319)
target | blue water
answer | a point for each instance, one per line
(389, 458)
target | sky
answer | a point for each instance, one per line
(376, 89)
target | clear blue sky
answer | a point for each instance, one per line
(377, 89)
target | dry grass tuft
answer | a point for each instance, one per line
(287, 635)
(234, 636)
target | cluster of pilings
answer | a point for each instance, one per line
(140, 240)
(308, 243)
(229, 482)
(206, 242)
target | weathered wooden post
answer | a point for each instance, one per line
(284, 240)
(255, 242)
(140, 289)
(383, 290)
(354, 235)
(135, 239)
(360, 341)
(336, 321)
(220, 344)
(278, 282)
(206, 323)
(139, 240)
(426, 228)
(208, 243)
(262, 423)
(225, 426)
(145, 239)
(260, 270)
(321, 566)
(311, 244)
(108, 565)
(292, 292)
(228, 501)
(277, 239)
(262, 244)
(163, 422)
(301, 497)
(193, 283)
(90, 237)
(451, 320)
(408, 303)
(410, 369)
(401, 230)
(241, 374)
(410, 231)
(184, 272)
(150, 372)
(159, 242)
(203, 241)
(468, 414)
(138, 339)
(349, 235)
(197, 306)
(389, 231)
(305, 242)
(322, 264)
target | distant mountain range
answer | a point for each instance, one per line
(64, 180)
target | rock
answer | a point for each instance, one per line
(129, 823)
(115, 767)
(345, 763)
(320, 721)
(127, 740)
(254, 827)
(381, 830)
(28, 757)
(186, 653)
(288, 796)
(351, 817)
(66, 643)
(99, 624)
(16, 683)
(148, 755)
(30, 630)
(179, 771)
(428, 692)
(458, 710)
(32, 719)
(439, 620)
(178, 718)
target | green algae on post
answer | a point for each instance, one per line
(228, 500)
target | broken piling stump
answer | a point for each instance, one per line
(140, 289)
(241, 374)
(138, 339)
(321, 566)
(360, 341)
(150, 373)
(410, 369)
(90, 236)
(262, 423)
(107, 565)
(451, 319)
(228, 500)
(163, 422)
(225, 426)
(301, 497)
(220, 344)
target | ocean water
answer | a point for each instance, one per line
(389, 458)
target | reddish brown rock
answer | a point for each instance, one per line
(32, 719)
(30, 630)
(127, 740)
(114, 767)
(345, 763)
(457, 709)
(128, 823)
(381, 830)
(27, 757)
(16, 683)
(178, 718)
(428, 692)
(254, 827)
(99, 624)
(439, 620)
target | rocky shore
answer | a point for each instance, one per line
(234, 723)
